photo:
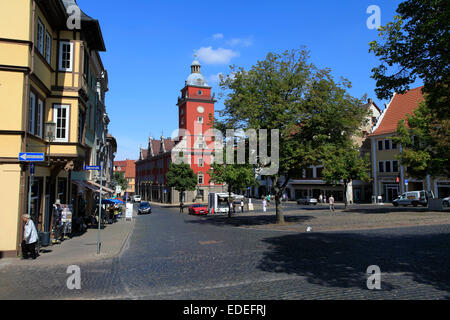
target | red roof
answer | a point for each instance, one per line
(126, 166)
(156, 147)
(400, 106)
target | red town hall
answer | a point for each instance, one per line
(193, 143)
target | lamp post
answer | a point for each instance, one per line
(50, 134)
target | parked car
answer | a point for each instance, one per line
(413, 198)
(136, 198)
(307, 201)
(198, 209)
(446, 202)
(144, 208)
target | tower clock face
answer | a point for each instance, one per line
(200, 109)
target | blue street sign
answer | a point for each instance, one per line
(31, 157)
(98, 168)
(406, 182)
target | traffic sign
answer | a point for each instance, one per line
(98, 168)
(406, 182)
(31, 157)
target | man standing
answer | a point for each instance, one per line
(264, 204)
(331, 201)
(57, 221)
(320, 198)
(242, 206)
(30, 238)
(181, 207)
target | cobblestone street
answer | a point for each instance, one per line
(176, 256)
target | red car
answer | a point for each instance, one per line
(198, 209)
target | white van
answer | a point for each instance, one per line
(413, 198)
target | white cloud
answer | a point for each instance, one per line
(218, 36)
(245, 42)
(216, 56)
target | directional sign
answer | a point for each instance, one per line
(98, 168)
(31, 157)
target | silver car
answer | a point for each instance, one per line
(413, 198)
(446, 202)
(307, 201)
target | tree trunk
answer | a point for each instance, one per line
(279, 209)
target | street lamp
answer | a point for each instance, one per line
(50, 134)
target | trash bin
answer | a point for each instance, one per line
(44, 238)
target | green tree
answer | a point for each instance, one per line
(119, 179)
(344, 164)
(288, 93)
(235, 176)
(181, 177)
(425, 146)
(417, 43)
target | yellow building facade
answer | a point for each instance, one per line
(47, 75)
(390, 178)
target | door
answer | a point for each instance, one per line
(391, 193)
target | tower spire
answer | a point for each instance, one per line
(195, 66)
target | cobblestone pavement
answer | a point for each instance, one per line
(320, 218)
(177, 256)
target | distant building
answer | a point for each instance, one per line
(389, 176)
(128, 167)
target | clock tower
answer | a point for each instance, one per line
(196, 116)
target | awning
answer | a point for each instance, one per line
(108, 190)
(92, 186)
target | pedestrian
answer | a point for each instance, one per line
(320, 198)
(57, 221)
(242, 206)
(30, 238)
(331, 202)
(264, 204)
(181, 207)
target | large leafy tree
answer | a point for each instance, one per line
(416, 46)
(344, 164)
(181, 177)
(288, 93)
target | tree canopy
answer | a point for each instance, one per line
(181, 177)
(286, 92)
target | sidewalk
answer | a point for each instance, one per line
(83, 248)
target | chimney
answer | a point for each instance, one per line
(162, 149)
(150, 148)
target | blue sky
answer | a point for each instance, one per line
(150, 46)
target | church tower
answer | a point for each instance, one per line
(196, 116)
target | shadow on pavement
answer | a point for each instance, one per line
(238, 221)
(385, 210)
(341, 259)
